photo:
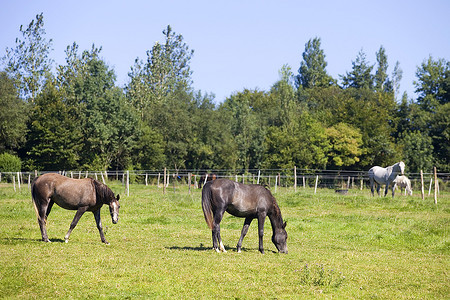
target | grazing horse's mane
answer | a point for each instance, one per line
(102, 191)
(276, 208)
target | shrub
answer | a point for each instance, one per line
(10, 163)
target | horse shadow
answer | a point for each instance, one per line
(204, 248)
(18, 240)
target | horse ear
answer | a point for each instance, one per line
(118, 197)
(284, 225)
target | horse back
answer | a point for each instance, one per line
(241, 200)
(66, 192)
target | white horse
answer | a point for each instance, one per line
(403, 182)
(385, 176)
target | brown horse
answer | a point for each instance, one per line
(245, 201)
(74, 194)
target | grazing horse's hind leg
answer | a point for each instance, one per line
(216, 232)
(247, 222)
(77, 217)
(42, 219)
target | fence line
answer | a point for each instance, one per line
(313, 178)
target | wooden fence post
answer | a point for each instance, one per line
(295, 178)
(317, 180)
(431, 184)
(276, 183)
(164, 185)
(189, 182)
(128, 183)
(421, 184)
(14, 183)
(436, 186)
(18, 179)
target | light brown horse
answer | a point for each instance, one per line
(74, 194)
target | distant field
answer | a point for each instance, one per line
(340, 246)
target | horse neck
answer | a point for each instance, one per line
(276, 220)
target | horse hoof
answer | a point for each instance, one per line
(217, 250)
(66, 241)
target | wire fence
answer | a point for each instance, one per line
(296, 178)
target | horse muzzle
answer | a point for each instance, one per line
(115, 218)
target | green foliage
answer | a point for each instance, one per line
(29, 62)
(360, 77)
(80, 119)
(346, 143)
(318, 275)
(312, 71)
(10, 163)
(13, 116)
(418, 151)
(55, 140)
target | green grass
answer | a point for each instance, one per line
(340, 246)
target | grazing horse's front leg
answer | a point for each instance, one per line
(261, 219)
(371, 185)
(74, 223)
(247, 222)
(99, 226)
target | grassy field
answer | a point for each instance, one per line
(340, 246)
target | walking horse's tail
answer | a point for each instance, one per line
(206, 204)
(35, 199)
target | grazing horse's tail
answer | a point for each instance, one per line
(206, 204)
(35, 199)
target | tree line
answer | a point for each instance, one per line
(74, 116)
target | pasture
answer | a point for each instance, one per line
(340, 246)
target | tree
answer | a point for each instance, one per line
(165, 72)
(312, 71)
(432, 83)
(440, 134)
(29, 63)
(246, 128)
(360, 76)
(346, 142)
(107, 121)
(382, 82)
(55, 139)
(397, 75)
(13, 116)
(417, 151)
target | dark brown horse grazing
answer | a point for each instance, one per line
(245, 201)
(75, 194)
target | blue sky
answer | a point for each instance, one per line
(242, 44)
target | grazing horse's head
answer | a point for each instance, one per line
(279, 239)
(106, 196)
(114, 209)
(402, 167)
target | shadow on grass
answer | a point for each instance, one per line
(203, 248)
(17, 240)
